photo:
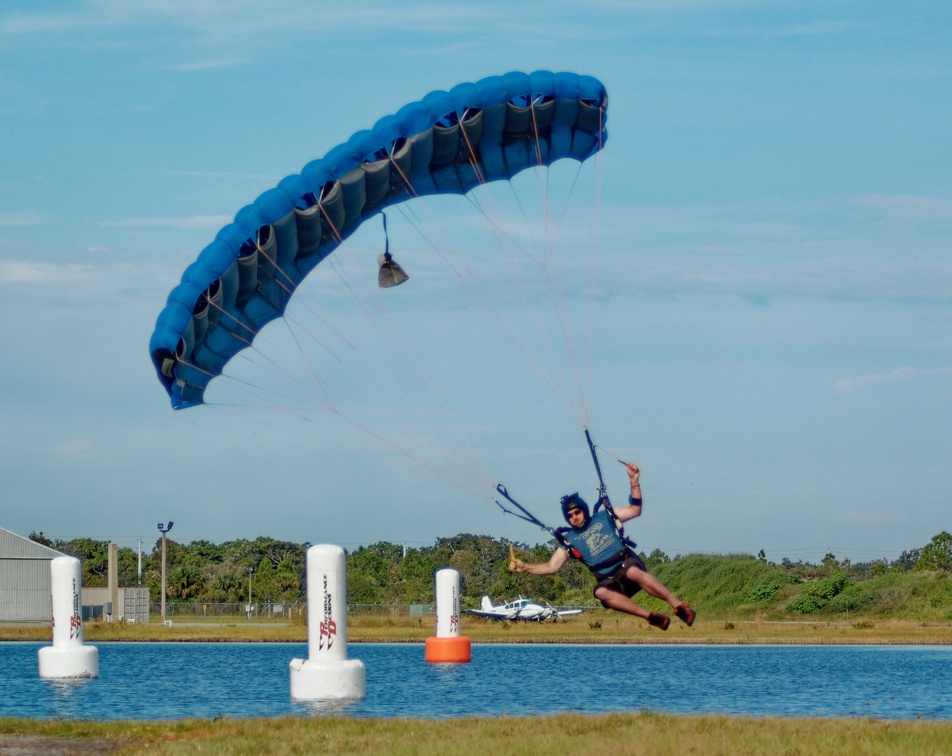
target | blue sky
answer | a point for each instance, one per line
(771, 323)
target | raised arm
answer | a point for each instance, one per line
(634, 501)
(556, 561)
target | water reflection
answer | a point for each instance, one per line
(63, 695)
(343, 708)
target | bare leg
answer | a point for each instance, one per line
(619, 602)
(652, 586)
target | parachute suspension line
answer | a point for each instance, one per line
(557, 294)
(282, 373)
(504, 242)
(469, 483)
(440, 463)
(473, 160)
(200, 369)
(603, 500)
(477, 288)
(582, 375)
(548, 242)
(389, 444)
(406, 179)
(594, 248)
(535, 130)
(359, 443)
(390, 334)
(556, 288)
(289, 286)
(527, 516)
(336, 232)
(551, 271)
(237, 322)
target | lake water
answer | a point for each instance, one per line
(178, 680)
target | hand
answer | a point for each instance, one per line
(517, 565)
(634, 473)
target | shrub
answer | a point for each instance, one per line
(849, 600)
(828, 587)
(763, 591)
(806, 604)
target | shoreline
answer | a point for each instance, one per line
(592, 630)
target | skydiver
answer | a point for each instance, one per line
(595, 541)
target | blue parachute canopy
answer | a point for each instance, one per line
(449, 142)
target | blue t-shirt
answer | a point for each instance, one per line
(598, 543)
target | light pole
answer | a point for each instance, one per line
(163, 529)
(250, 571)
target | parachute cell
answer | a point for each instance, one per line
(449, 142)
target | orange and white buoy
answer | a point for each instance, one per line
(448, 645)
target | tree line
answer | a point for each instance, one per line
(387, 573)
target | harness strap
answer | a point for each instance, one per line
(529, 517)
(603, 500)
(612, 561)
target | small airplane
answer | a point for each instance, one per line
(520, 609)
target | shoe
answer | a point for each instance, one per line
(659, 620)
(686, 614)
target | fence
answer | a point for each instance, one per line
(277, 611)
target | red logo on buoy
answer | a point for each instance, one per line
(328, 627)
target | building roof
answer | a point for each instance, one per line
(13, 546)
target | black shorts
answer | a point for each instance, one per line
(619, 582)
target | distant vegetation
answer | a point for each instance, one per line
(915, 586)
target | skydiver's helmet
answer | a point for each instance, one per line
(573, 501)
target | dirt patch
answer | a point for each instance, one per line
(21, 745)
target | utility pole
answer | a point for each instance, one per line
(250, 571)
(140, 562)
(163, 529)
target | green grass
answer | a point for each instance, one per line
(595, 626)
(577, 734)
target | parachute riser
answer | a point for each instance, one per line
(603, 500)
(526, 514)
(602, 490)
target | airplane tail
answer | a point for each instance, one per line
(486, 605)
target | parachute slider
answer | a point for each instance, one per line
(390, 273)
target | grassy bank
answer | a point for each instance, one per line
(597, 626)
(613, 733)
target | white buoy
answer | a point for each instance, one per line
(67, 657)
(327, 673)
(448, 645)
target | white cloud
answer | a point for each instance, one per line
(193, 223)
(20, 271)
(236, 18)
(76, 282)
(908, 208)
(207, 65)
(21, 218)
(846, 385)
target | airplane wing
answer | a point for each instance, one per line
(488, 609)
(491, 614)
